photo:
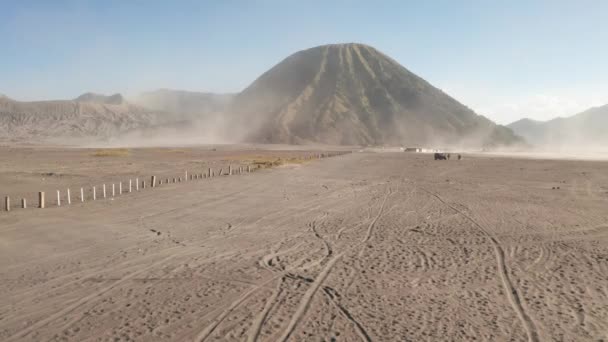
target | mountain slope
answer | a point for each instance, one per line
(57, 120)
(353, 94)
(587, 128)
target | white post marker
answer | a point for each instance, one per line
(58, 198)
(23, 203)
(7, 203)
(113, 190)
(120, 188)
(186, 178)
(41, 200)
(94, 194)
(69, 197)
(210, 172)
(81, 195)
(104, 191)
(136, 184)
(153, 181)
(130, 185)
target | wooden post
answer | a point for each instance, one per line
(58, 198)
(23, 203)
(81, 195)
(179, 179)
(143, 184)
(113, 190)
(94, 193)
(136, 184)
(7, 203)
(186, 176)
(41, 200)
(167, 181)
(120, 188)
(69, 197)
(248, 168)
(210, 172)
(104, 191)
(130, 186)
(153, 182)
(220, 172)
(229, 170)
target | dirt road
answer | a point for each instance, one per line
(368, 246)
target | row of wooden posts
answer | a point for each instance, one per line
(153, 183)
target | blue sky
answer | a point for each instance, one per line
(504, 59)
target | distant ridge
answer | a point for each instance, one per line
(353, 94)
(586, 129)
(89, 118)
(98, 98)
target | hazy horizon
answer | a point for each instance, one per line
(498, 59)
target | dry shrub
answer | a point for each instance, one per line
(112, 152)
(266, 162)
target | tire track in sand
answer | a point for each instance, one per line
(306, 300)
(70, 308)
(262, 317)
(509, 288)
(348, 316)
(209, 329)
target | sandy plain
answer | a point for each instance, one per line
(363, 246)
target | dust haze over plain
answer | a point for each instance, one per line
(339, 94)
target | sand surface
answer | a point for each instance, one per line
(366, 246)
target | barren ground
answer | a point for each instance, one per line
(366, 246)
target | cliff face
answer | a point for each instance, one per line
(56, 120)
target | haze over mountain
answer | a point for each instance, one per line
(586, 130)
(353, 94)
(349, 94)
(185, 104)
